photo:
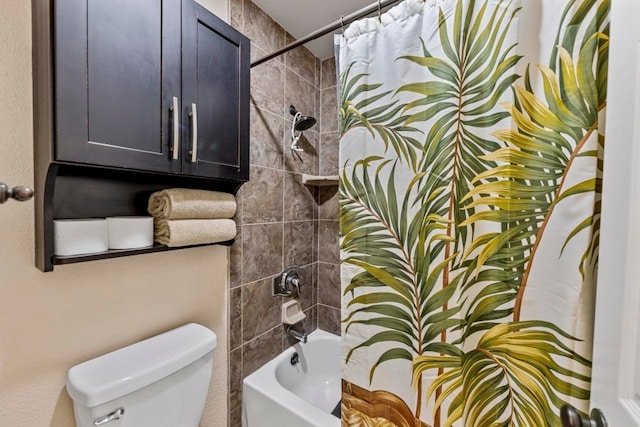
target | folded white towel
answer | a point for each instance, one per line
(184, 203)
(187, 232)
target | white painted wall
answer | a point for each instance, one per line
(49, 322)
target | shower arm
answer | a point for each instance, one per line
(340, 23)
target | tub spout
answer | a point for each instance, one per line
(300, 336)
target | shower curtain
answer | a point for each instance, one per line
(471, 155)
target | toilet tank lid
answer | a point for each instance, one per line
(131, 368)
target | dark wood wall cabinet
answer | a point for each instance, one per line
(131, 97)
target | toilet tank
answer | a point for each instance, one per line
(159, 382)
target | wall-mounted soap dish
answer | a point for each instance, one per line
(292, 312)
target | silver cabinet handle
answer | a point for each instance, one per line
(20, 193)
(115, 415)
(194, 133)
(176, 128)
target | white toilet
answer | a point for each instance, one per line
(159, 382)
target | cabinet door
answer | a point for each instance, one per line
(215, 88)
(117, 71)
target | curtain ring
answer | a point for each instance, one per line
(380, 11)
(342, 24)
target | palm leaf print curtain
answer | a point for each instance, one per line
(471, 153)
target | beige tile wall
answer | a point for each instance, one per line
(281, 221)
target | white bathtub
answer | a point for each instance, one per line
(283, 395)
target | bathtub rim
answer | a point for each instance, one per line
(281, 396)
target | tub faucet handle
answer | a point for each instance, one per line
(287, 283)
(295, 284)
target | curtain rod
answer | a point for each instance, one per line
(328, 29)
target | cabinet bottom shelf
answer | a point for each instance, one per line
(116, 253)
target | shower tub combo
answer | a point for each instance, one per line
(301, 387)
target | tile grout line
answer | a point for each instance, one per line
(320, 170)
(286, 67)
(258, 337)
(284, 56)
(253, 282)
(283, 116)
(320, 150)
(250, 224)
(284, 184)
(241, 347)
(297, 73)
(328, 306)
(275, 169)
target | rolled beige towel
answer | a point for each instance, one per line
(185, 203)
(187, 232)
